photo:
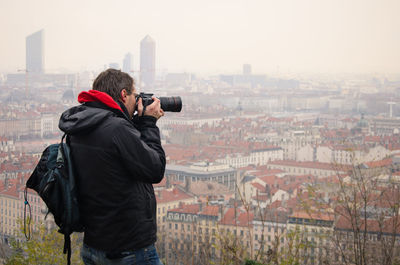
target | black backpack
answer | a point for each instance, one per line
(54, 180)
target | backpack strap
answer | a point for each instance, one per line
(61, 152)
(27, 220)
(61, 157)
(67, 247)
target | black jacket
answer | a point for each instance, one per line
(116, 163)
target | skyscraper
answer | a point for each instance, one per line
(246, 69)
(35, 52)
(127, 65)
(147, 61)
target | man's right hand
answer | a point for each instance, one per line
(154, 109)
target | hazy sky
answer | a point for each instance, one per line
(208, 36)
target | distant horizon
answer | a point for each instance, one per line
(209, 37)
(289, 74)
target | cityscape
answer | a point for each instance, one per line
(271, 168)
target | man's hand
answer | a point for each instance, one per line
(154, 109)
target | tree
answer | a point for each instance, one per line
(44, 247)
(366, 205)
(367, 217)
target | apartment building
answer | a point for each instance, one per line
(12, 209)
(311, 235)
(269, 228)
(191, 233)
(203, 171)
(350, 155)
(168, 199)
(236, 225)
(308, 168)
(255, 157)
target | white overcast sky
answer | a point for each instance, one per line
(208, 36)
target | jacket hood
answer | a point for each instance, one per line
(82, 118)
(98, 96)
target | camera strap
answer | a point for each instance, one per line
(144, 109)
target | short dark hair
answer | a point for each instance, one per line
(112, 82)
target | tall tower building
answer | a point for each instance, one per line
(147, 61)
(127, 65)
(35, 52)
(246, 69)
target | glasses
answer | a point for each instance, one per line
(137, 95)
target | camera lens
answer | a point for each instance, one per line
(173, 104)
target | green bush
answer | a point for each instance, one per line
(252, 262)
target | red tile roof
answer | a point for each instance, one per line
(164, 196)
(380, 163)
(243, 218)
(316, 165)
(313, 216)
(258, 186)
(212, 210)
(387, 226)
(187, 208)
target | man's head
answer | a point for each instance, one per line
(119, 85)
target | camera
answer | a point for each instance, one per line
(173, 104)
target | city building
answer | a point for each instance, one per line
(309, 168)
(169, 199)
(147, 62)
(192, 234)
(313, 231)
(269, 229)
(219, 173)
(256, 157)
(127, 64)
(12, 209)
(246, 69)
(35, 52)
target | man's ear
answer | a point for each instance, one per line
(123, 95)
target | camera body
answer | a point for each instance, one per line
(172, 104)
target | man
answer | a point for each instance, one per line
(116, 160)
